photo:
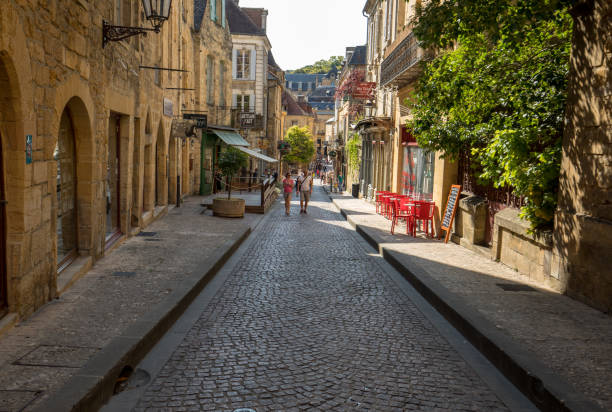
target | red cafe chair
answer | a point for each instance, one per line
(408, 207)
(424, 213)
(379, 199)
(397, 214)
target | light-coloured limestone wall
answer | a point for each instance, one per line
(515, 247)
(583, 222)
(52, 62)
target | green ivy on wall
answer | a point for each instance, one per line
(500, 94)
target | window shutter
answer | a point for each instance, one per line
(234, 63)
(213, 10)
(253, 63)
(223, 13)
(235, 100)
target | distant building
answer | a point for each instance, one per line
(303, 84)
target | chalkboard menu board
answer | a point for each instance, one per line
(451, 208)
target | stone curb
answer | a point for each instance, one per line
(540, 384)
(94, 383)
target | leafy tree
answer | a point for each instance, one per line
(230, 162)
(352, 150)
(302, 147)
(500, 94)
(321, 66)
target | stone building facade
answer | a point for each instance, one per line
(583, 223)
(275, 113)
(88, 152)
(251, 48)
(571, 259)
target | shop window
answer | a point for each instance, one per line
(418, 172)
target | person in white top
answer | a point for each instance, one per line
(305, 191)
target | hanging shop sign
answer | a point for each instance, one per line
(364, 90)
(332, 153)
(247, 120)
(201, 119)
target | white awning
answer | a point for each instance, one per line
(256, 154)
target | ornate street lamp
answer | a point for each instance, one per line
(156, 11)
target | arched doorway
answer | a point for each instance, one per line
(160, 168)
(3, 283)
(148, 198)
(113, 160)
(66, 187)
(172, 170)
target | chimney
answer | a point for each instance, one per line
(264, 20)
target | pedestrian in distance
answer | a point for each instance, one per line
(305, 192)
(298, 183)
(288, 184)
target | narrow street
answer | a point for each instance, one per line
(308, 318)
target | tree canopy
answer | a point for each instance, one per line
(302, 147)
(230, 162)
(499, 93)
(321, 66)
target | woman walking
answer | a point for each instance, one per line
(287, 191)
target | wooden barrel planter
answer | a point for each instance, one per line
(228, 207)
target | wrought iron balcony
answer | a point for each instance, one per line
(401, 66)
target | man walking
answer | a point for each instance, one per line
(305, 192)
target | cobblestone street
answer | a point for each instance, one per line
(308, 320)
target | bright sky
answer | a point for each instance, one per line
(304, 31)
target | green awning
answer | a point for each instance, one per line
(258, 155)
(230, 137)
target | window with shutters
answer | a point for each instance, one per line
(210, 79)
(243, 102)
(243, 64)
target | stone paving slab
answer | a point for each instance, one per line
(307, 319)
(564, 344)
(123, 297)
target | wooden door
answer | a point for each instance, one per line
(66, 225)
(113, 212)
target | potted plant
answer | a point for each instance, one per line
(230, 162)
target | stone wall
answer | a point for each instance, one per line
(52, 62)
(515, 247)
(583, 223)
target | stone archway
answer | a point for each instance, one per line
(148, 198)
(66, 217)
(161, 180)
(10, 208)
(74, 198)
(173, 172)
(3, 280)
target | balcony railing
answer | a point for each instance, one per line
(401, 66)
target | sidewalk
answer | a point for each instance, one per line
(74, 348)
(556, 350)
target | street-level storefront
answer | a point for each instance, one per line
(212, 142)
(418, 168)
(376, 165)
(365, 171)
